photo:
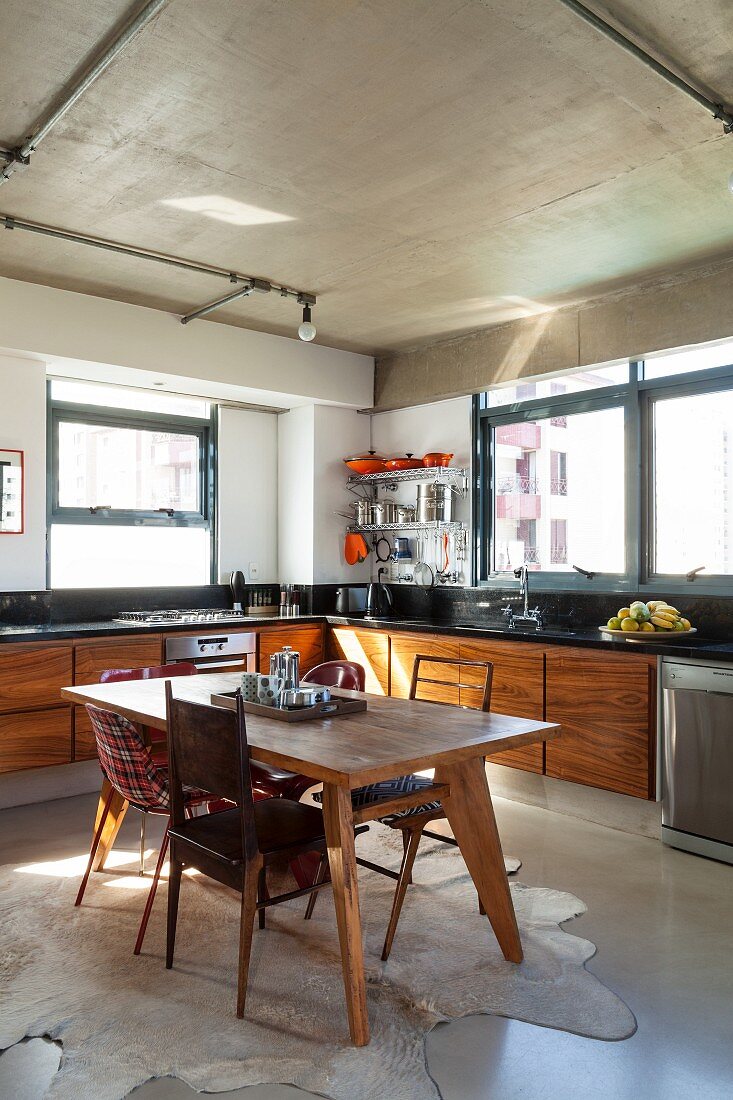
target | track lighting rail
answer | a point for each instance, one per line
(20, 157)
(717, 110)
(246, 283)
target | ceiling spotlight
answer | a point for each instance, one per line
(307, 330)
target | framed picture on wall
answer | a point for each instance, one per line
(11, 492)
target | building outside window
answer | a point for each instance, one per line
(590, 469)
(131, 487)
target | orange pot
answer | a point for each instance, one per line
(406, 463)
(370, 463)
(437, 458)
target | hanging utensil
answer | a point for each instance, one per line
(379, 545)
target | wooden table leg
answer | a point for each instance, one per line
(117, 810)
(470, 814)
(339, 824)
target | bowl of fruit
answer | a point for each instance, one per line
(656, 621)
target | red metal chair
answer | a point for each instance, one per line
(130, 769)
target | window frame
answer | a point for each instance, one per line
(692, 384)
(205, 431)
(637, 397)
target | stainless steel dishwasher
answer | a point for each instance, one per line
(697, 757)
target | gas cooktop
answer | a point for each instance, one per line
(194, 615)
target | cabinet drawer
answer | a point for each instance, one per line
(92, 658)
(32, 676)
(517, 688)
(85, 745)
(369, 648)
(403, 650)
(307, 640)
(35, 739)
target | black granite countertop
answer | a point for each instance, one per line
(108, 627)
(586, 638)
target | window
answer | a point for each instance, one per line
(693, 481)
(131, 482)
(592, 378)
(625, 471)
(538, 488)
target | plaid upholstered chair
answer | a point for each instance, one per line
(131, 769)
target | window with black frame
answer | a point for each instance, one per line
(625, 471)
(130, 487)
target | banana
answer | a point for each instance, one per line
(668, 613)
(664, 623)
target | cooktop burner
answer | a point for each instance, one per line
(194, 615)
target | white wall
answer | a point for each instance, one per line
(248, 487)
(338, 434)
(23, 428)
(206, 357)
(296, 480)
(442, 426)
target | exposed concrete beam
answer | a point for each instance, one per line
(691, 307)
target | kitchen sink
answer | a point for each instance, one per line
(547, 632)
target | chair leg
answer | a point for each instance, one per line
(405, 878)
(142, 844)
(262, 894)
(320, 877)
(153, 888)
(95, 845)
(174, 889)
(406, 833)
(246, 926)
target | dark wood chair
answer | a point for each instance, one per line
(235, 846)
(419, 795)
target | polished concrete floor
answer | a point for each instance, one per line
(662, 921)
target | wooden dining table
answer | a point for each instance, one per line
(392, 737)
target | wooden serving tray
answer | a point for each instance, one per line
(336, 707)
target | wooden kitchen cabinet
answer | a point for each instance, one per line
(31, 676)
(92, 658)
(606, 706)
(35, 739)
(369, 648)
(308, 640)
(517, 689)
(404, 648)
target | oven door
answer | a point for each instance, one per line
(214, 652)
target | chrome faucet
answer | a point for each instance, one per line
(534, 616)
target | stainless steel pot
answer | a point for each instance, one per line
(305, 696)
(405, 513)
(434, 502)
(362, 512)
(383, 511)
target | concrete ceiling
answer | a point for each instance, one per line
(444, 165)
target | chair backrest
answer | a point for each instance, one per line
(126, 760)
(486, 668)
(152, 672)
(339, 674)
(207, 748)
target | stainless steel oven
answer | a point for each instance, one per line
(214, 652)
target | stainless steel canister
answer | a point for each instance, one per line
(434, 502)
(286, 663)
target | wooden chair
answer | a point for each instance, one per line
(209, 745)
(415, 791)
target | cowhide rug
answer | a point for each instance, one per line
(70, 974)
